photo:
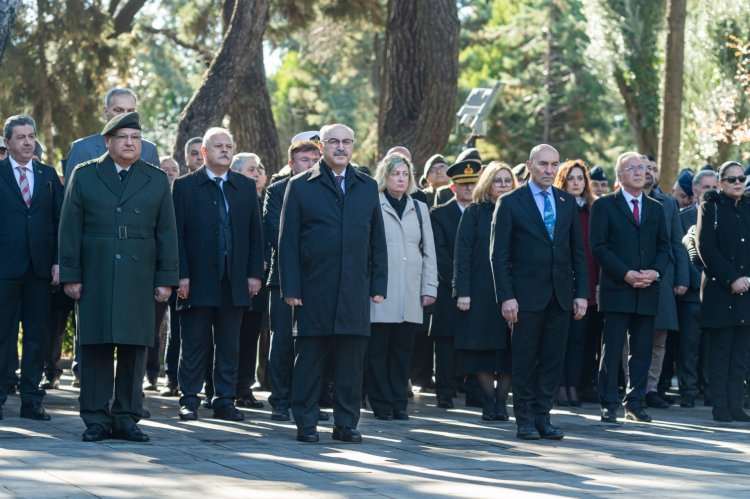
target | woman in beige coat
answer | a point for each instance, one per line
(412, 285)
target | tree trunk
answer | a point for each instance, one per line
(251, 118)
(420, 74)
(211, 101)
(8, 11)
(45, 83)
(646, 139)
(671, 113)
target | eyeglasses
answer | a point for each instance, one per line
(338, 142)
(499, 182)
(441, 167)
(123, 137)
(733, 180)
(635, 168)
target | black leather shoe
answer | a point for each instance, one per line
(34, 411)
(249, 401)
(131, 433)
(95, 433)
(609, 415)
(739, 415)
(228, 413)
(721, 415)
(188, 413)
(501, 411)
(637, 415)
(169, 391)
(308, 438)
(527, 432)
(445, 403)
(400, 416)
(654, 400)
(488, 411)
(145, 414)
(50, 384)
(206, 403)
(668, 398)
(280, 414)
(383, 416)
(150, 385)
(687, 402)
(346, 434)
(549, 432)
(576, 403)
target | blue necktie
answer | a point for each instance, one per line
(549, 215)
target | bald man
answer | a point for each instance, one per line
(541, 281)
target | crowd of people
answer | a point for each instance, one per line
(334, 285)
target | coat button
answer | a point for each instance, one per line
(742, 239)
(135, 258)
(118, 256)
(730, 307)
(137, 211)
(118, 210)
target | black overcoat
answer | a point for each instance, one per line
(332, 251)
(196, 199)
(445, 219)
(619, 245)
(482, 327)
(724, 247)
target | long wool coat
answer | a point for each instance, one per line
(117, 238)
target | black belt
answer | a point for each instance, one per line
(121, 232)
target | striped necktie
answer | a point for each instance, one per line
(23, 183)
(549, 215)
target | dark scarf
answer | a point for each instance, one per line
(398, 204)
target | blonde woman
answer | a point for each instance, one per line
(482, 338)
(412, 285)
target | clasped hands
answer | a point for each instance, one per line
(741, 285)
(640, 279)
(75, 289)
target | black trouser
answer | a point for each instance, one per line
(387, 366)
(281, 356)
(32, 295)
(98, 378)
(538, 342)
(423, 358)
(592, 347)
(639, 330)
(671, 349)
(727, 350)
(196, 324)
(690, 347)
(313, 354)
(248, 351)
(153, 363)
(60, 308)
(172, 348)
(571, 375)
(445, 367)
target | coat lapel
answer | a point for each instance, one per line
(108, 175)
(6, 172)
(323, 177)
(138, 177)
(560, 211)
(625, 209)
(39, 181)
(527, 200)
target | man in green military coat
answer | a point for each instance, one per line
(118, 252)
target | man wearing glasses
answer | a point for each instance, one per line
(118, 253)
(332, 261)
(630, 241)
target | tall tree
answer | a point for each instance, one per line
(671, 113)
(8, 9)
(211, 101)
(420, 72)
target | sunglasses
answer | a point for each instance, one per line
(733, 180)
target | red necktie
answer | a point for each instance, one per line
(23, 183)
(636, 213)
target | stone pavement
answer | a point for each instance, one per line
(437, 453)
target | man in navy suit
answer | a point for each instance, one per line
(30, 201)
(117, 101)
(539, 267)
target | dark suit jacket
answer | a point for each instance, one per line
(526, 264)
(28, 235)
(93, 146)
(445, 219)
(271, 221)
(196, 201)
(332, 251)
(619, 245)
(119, 240)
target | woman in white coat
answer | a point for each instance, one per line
(412, 285)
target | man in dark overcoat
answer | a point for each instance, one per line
(221, 264)
(540, 272)
(30, 200)
(629, 239)
(332, 260)
(118, 253)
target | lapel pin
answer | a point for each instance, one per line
(562, 199)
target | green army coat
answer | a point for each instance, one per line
(119, 239)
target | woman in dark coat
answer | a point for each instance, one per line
(573, 178)
(482, 339)
(724, 246)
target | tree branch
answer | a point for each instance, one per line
(123, 20)
(205, 54)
